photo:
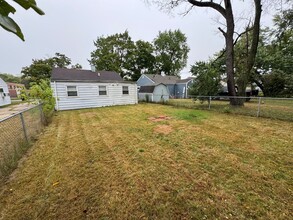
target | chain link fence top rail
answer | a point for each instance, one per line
(267, 107)
(16, 132)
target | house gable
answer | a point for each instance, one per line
(144, 80)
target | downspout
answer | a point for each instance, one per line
(56, 96)
(186, 90)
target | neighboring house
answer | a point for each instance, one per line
(14, 89)
(249, 92)
(4, 94)
(76, 89)
(154, 93)
(178, 88)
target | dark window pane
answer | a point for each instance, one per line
(125, 90)
(72, 93)
(102, 92)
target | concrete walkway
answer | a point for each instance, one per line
(14, 109)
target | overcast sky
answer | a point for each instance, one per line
(71, 26)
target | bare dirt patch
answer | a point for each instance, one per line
(163, 129)
(160, 118)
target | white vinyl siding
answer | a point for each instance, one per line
(4, 94)
(88, 95)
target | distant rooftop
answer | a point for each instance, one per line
(167, 80)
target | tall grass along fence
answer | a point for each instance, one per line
(16, 134)
(277, 108)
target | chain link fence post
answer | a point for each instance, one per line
(42, 114)
(210, 99)
(23, 127)
(258, 107)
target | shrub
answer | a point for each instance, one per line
(43, 93)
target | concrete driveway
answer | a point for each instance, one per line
(14, 109)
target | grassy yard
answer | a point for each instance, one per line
(269, 108)
(130, 162)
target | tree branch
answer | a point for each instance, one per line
(235, 42)
(209, 4)
(239, 35)
(223, 32)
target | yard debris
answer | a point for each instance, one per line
(55, 184)
(163, 129)
(160, 118)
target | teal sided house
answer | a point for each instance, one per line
(178, 88)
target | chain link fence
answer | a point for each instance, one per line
(276, 108)
(16, 134)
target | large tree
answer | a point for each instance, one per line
(6, 9)
(143, 60)
(273, 70)
(225, 9)
(171, 52)
(42, 68)
(207, 80)
(113, 53)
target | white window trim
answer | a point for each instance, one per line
(107, 91)
(76, 91)
(128, 91)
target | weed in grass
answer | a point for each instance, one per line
(227, 109)
(10, 158)
(189, 114)
(141, 150)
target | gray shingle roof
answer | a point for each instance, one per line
(62, 74)
(163, 79)
(147, 89)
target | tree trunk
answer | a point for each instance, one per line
(230, 52)
(251, 54)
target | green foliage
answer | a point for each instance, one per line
(10, 78)
(171, 52)
(273, 70)
(42, 68)
(144, 60)
(207, 79)
(119, 53)
(113, 53)
(43, 93)
(6, 9)
(23, 95)
(189, 115)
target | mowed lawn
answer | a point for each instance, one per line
(127, 163)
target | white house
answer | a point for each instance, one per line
(76, 89)
(4, 93)
(154, 93)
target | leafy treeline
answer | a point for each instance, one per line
(272, 71)
(166, 54)
(10, 78)
(42, 68)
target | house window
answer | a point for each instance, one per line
(125, 90)
(1, 90)
(102, 90)
(71, 91)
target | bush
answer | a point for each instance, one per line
(43, 93)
